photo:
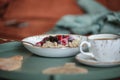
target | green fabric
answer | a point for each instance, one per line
(97, 19)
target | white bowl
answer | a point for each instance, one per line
(51, 52)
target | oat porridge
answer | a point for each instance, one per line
(58, 41)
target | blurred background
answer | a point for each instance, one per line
(23, 18)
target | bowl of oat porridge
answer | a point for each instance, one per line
(54, 45)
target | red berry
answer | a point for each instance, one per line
(59, 37)
(39, 43)
(64, 42)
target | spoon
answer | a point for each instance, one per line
(3, 39)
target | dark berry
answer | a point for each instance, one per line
(65, 36)
(51, 38)
(45, 39)
(59, 42)
(55, 39)
(70, 40)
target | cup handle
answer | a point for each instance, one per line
(81, 46)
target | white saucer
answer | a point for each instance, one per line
(89, 59)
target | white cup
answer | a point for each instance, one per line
(104, 47)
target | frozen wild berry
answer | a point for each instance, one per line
(39, 43)
(64, 42)
(55, 39)
(59, 42)
(45, 39)
(65, 36)
(59, 37)
(51, 38)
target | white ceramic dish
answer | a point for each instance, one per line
(51, 52)
(89, 59)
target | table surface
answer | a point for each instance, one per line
(33, 66)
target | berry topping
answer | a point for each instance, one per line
(63, 40)
(59, 37)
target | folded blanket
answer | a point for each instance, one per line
(97, 19)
